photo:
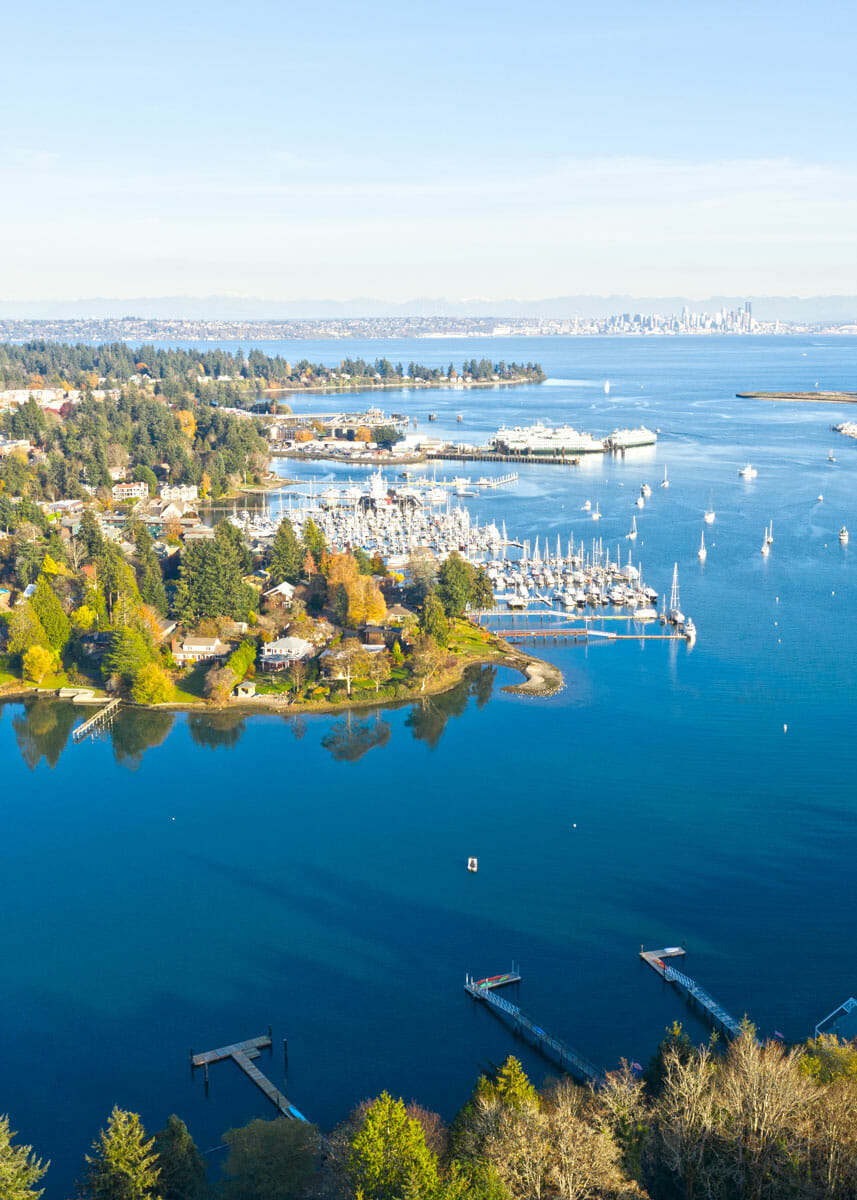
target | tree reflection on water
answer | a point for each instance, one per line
(428, 719)
(42, 731)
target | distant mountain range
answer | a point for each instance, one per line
(810, 309)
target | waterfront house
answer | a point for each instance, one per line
(284, 589)
(199, 649)
(186, 492)
(284, 651)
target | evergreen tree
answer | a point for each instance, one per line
(389, 1156)
(124, 1164)
(184, 1175)
(286, 554)
(149, 577)
(313, 539)
(90, 535)
(455, 584)
(48, 609)
(20, 1171)
(432, 620)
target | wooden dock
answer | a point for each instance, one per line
(99, 720)
(583, 633)
(243, 1053)
(493, 456)
(548, 1045)
(715, 1012)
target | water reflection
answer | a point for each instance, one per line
(428, 719)
(43, 728)
(352, 737)
(133, 732)
(42, 731)
(216, 729)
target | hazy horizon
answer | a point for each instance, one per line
(394, 151)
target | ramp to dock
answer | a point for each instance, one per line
(552, 1047)
(243, 1053)
(99, 720)
(715, 1012)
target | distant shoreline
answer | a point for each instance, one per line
(802, 397)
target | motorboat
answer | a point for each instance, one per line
(645, 491)
(473, 865)
(641, 502)
(748, 472)
(843, 536)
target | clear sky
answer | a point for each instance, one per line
(335, 150)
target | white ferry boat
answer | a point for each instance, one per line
(542, 441)
(627, 439)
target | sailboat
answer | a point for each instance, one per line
(641, 502)
(766, 544)
(769, 534)
(830, 456)
(596, 516)
(645, 491)
(702, 553)
(665, 482)
(676, 615)
(709, 514)
(607, 387)
(633, 534)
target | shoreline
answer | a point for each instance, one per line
(801, 397)
(542, 679)
(399, 385)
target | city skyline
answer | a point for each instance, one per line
(457, 151)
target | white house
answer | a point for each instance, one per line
(284, 589)
(178, 491)
(130, 491)
(284, 651)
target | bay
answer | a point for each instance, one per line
(192, 879)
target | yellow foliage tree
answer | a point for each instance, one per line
(187, 422)
(205, 484)
(366, 605)
(363, 434)
(84, 618)
(37, 663)
(341, 568)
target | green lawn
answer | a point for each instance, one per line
(189, 688)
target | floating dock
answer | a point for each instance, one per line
(243, 1053)
(493, 456)
(99, 720)
(548, 1045)
(717, 1015)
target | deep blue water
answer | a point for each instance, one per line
(186, 884)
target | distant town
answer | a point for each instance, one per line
(737, 320)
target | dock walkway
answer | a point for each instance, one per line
(552, 1047)
(716, 1013)
(98, 720)
(243, 1053)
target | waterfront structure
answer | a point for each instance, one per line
(627, 439)
(545, 441)
(284, 651)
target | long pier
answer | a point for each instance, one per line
(493, 456)
(715, 1012)
(548, 1045)
(575, 633)
(99, 720)
(243, 1053)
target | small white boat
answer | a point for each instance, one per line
(587, 505)
(709, 514)
(472, 865)
(769, 534)
(607, 387)
(830, 457)
(766, 543)
(748, 472)
(843, 536)
(819, 498)
(645, 490)
(641, 502)
(702, 553)
(645, 612)
(632, 536)
(665, 482)
(690, 631)
(596, 516)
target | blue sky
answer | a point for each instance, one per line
(468, 149)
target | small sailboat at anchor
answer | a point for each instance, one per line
(702, 553)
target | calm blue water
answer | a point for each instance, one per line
(190, 882)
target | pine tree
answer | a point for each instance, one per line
(124, 1163)
(286, 554)
(389, 1156)
(48, 609)
(20, 1171)
(184, 1175)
